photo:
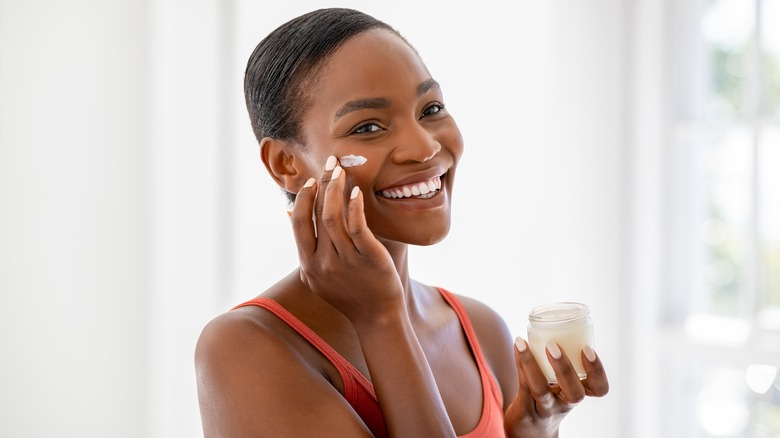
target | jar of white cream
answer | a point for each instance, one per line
(566, 324)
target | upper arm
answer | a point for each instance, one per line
(253, 383)
(497, 345)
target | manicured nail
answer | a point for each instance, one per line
(336, 173)
(520, 344)
(309, 183)
(355, 192)
(589, 353)
(554, 351)
(330, 164)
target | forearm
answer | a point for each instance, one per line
(511, 434)
(408, 396)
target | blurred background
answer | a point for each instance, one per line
(625, 154)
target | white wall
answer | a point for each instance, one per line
(134, 207)
(74, 218)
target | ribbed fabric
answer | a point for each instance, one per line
(359, 392)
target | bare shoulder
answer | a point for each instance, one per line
(479, 312)
(237, 334)
(496, 342)
(236, 358)
(254, 381)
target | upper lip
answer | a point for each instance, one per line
(416, 177)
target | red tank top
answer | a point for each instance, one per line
(359, 392)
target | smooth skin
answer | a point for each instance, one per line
(258, 377)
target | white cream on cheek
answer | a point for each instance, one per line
(352, 160)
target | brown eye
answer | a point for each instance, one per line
(432, 109)
(366, 128)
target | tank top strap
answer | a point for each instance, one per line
(349, 374)
(491, 424)
(468, 329)
(359, 392)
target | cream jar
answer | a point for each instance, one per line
(566, 324)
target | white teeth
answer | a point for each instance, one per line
(422, 190)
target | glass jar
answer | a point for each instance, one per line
(565, 323)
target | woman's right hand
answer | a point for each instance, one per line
(345, 264)
(341, 260)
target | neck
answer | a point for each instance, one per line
(400, 255)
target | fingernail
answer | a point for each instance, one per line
(355, 192)
(331, 163)
(589, 353)
(554, 351)
(520, 344)
(309, 183)
(336, 173)
(289, 213)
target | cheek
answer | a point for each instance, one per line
(450, 138)
(314, 166)
(363, 175)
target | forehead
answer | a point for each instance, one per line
(376, 63)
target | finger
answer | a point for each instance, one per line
(536, 382)
(572, 392)
(523, 393)
(357, 227)
(522, 406)
(300, 218)
(596, 384)
(323, 240)
(332, 217)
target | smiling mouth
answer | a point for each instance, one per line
(420, 190)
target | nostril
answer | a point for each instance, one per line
(417, 152)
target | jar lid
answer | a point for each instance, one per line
(558, 312)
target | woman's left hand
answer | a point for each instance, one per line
(539, 407)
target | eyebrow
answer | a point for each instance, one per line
(380, 102)
(426, 86)
(359, 104)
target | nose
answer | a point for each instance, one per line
(415, 144)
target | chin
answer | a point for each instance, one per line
(419, 228)
(428, 238)
(432, 239)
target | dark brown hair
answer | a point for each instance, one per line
(281, 70)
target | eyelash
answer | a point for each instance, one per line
(440, 107)
(360, 129)
(425, 113)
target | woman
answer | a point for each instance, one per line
(348, 344)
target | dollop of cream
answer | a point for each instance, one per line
(352, 160)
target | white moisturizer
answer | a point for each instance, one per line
(566, 324)
(352, 160)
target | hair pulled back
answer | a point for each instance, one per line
(280, 72)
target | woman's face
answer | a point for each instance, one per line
(375, 98)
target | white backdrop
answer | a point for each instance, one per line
(134, 207)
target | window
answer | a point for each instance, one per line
(724, 260)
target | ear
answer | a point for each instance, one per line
(284, 163)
